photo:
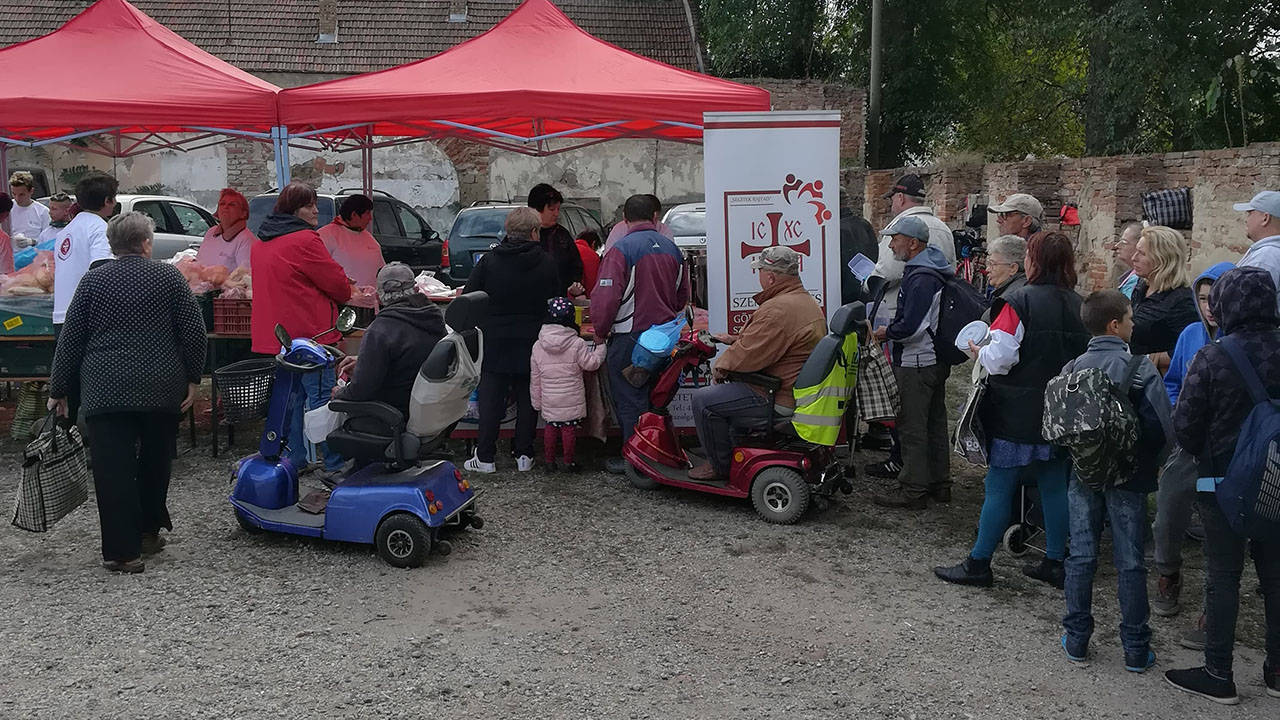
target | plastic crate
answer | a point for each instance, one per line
(232, 317)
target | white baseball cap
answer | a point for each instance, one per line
(1267, 201)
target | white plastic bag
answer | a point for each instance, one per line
(435, 405)
(318, 423)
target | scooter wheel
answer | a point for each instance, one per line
(444, 547)
(780, 495)
(639, 480)
(403, 540)
(246, 524)
(477, 522)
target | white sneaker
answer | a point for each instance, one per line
(474, 465)
(524, 463)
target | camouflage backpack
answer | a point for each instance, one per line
(1094, 418)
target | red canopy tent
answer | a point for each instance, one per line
(113, 71)
(534, 77)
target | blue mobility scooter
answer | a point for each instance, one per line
(404, 489)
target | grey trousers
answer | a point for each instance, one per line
(922, 429)
(1175, 499)
(720, 409)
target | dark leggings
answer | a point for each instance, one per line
(493, 392)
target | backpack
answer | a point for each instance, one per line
(1249, 493)
(1087, 413)
(961, 304)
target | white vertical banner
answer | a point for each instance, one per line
(772, 178)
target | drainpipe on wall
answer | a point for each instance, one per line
(327, 17)
(693, 36)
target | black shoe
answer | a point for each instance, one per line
(875, 442)
(569, 467)
(898, 498)
(887, 469)
(1198, 681)
(1196, 533)
(153, 543)
(1271, 676)
(616, 465)
(941, 495)
(551, 466)
(970, 572)
(1047, 571)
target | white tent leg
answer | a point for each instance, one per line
(280, 144)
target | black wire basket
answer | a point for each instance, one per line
(244, 388)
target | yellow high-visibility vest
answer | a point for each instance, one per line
(820, 408)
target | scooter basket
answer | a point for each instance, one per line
(244, 389)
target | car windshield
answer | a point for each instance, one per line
(688, 223)
(261, 206)
(488, 222)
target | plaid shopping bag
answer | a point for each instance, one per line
(55, 478)
(877, 387)
(1171, 208)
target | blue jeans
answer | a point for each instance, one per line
(1128, 513)
(718, 410)
(1002, 485)
(316, 388)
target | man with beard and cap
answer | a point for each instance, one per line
(1212, 408)
(396, 343)
(922, 379)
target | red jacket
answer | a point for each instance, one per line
(296, 283)
(590, 265)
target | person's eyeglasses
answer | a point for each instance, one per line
(1006, 215)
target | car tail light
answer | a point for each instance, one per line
(457, 474)
(444, 254)
(806, 464)
(431, 508)
(431, 497)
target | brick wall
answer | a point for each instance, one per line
(816, 95)
(1107, 191)
(250, 166)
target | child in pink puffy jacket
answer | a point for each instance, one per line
(555, 385)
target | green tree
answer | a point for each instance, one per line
(765, 38)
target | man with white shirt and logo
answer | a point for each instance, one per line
(28, 217)
(80, 244)
(229, 242)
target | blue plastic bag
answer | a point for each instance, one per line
(26, 256)
(656, 344)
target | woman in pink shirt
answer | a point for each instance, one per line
(351, 244)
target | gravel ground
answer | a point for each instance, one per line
(581, 598)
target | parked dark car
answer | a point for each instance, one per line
(478, 228)
(403, 234)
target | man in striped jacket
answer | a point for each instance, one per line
(643, 282)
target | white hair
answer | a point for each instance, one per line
(1009, 248)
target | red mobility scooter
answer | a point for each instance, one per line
(779, 471)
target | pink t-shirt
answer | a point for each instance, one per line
(6, 254)
(356, 251)
(620, 231)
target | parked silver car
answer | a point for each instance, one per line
(180, 224)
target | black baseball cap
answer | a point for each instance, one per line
(910, 185)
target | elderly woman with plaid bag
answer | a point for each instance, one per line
(134, 339)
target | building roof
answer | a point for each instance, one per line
(280, 35)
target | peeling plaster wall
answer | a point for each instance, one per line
(198, 175)
(602, 177)
(419, 174)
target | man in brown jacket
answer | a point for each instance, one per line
(776, 341)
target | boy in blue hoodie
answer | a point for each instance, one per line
(1108, 316)
(1177, 493)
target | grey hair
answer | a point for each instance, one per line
(1010, 248)
(521, 223)
(126, 233)
(1035, 224)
